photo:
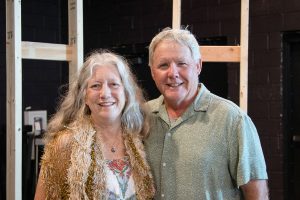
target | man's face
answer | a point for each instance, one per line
(175, 72)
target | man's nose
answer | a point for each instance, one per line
(173, 70)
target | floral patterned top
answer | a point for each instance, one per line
(120, 184)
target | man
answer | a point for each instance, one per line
(201, 146)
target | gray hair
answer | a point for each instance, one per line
(73, 105)
(181, 36)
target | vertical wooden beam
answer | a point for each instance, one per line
(176, 19)
(244, 54)
(13, 101)
(75, 8)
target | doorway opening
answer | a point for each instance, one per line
(291, 108)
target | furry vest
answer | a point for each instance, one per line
(67, 160)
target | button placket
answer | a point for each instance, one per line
(164, 162)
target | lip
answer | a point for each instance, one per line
(106, 104)
(174, 85)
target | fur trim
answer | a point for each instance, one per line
(80, 162)
(141, 171)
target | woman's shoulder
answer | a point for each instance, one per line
(55, 163)
(61, 141)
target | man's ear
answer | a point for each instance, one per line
(151, 72)
(199, 66)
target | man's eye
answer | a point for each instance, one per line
(181, 63)
(163, 65)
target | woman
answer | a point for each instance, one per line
(93, 143)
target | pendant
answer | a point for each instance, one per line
(113, 149)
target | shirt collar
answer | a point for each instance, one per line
(203, 99)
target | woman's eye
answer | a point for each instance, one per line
(115, 85)
(96, 86)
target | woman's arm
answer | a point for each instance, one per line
(40, 193)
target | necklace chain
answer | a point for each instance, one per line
(113, 147)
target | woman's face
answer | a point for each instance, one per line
(105, 95)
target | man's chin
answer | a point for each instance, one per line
(172, 97)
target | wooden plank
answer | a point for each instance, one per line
(220, 53)
(15, 51)
(176, 19)
(244, 54)
(13, 101)
(75, 8)
(46, 51)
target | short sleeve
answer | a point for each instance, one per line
(246, 156)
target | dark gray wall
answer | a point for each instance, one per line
(128, 26)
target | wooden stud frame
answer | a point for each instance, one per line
(16, 50)
(227, 53)
(176, 16)
(244, 55)
(73, 53)
(75, 8)
(46, 51)
(13, 101)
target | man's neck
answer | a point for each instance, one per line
(176, 109)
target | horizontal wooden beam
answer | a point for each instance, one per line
(62, 52)
(46, 51)
(220, 53)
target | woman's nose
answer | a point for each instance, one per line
(105, 91)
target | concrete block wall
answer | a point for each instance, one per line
(124, 22)
(268, 20)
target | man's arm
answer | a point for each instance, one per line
(256, 190)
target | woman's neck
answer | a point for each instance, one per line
(110, 139)
(108, 130)
(107, 127)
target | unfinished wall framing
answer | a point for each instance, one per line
(227, 53)
(16, 50)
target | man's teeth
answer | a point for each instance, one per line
(174, 84)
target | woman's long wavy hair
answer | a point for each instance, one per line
(72, 106)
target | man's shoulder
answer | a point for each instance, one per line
(224, 106)
(154, 104)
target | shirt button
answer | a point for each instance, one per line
(169, 134)
(164, 164)
(162, 195)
